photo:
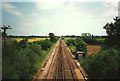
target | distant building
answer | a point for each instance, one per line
(85, 34)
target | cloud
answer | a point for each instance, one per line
(65, 17)
(60, 0)
(8, 6)
(14, 12)
(17, 0)
(109, 11)
(11, 9)
(47, 4)
(62, 18)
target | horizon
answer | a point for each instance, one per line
(55, 35)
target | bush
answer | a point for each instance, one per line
(73, 49)
(103, 65)
(20, 59)
(26, 61)
(45, 44)
(71, 42)
(81, 46)
(35, 48)
(91, 41)
(23, 43)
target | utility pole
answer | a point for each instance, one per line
(4, 28)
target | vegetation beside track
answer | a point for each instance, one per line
(21, 60)
(103, 65)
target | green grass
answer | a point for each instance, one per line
(72, 49)
(100, 39)
(68, 38)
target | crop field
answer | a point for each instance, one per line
(31, 39)
(68, 38)
(93, 49)
(100, 39)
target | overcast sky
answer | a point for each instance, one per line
(62, 17)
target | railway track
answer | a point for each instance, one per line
(59, 70)
(69, 73)
(62, 66)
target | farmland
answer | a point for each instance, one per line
(31, 39)
(93, 49)
(68, 38)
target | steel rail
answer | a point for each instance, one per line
(69, 63)
(51, 62)
(62, 62)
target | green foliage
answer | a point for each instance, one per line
(81, 46)
(22, 60)
(77, 45)
(113, 32)
(68, 38)
(23, 43)
(45, 44)
(71, 42)
(91, 41)
(103, 65)
(119, 61)
(35, 48)
(52, 37)
(73, 49)
(8, 69)
(78, 40)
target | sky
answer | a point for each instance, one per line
(61, 17)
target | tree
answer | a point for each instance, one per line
(71, 42)
(91, 41)
(78, 39)
(103, 65)
(52, 37)
(81, 46)
(45, 44)
(23, 43)
(113, 32)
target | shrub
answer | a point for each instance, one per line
(20, 59)
(73, 49)
(81, 46)
(71, 42)
(91, 41)
(103, 65)
(23, 43)
(45, 44)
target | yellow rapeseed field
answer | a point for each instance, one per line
(31, 39)
(18, 39)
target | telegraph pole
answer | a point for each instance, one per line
(4, 28)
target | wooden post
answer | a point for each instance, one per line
(4, 28)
